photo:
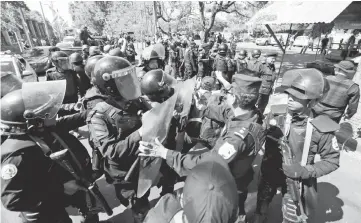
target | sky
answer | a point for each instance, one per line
(61, 6)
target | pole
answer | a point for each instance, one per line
(21, 47)
(283, 55)
(46, 25)
(155, 20)
(25, 27)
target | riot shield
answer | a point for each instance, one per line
(155, 123)
(9, 82)
(43, 99)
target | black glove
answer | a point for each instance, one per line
(296, 171)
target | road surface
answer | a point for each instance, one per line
(339, 192)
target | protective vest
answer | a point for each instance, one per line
(118, 124)
(92, 97)
(255, 65)
(221, 64)
(267, 81)
(337, 95)
(241, 64)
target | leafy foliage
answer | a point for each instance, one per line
(10, 16)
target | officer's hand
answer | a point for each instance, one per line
(295, 171)
(155, 149)
(71, 187)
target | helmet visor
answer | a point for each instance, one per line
(63, 63)
(154, 52)
(127, 83)
(44, 99)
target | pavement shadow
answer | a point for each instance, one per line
(329, 207)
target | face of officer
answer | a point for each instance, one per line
(153, 64)
(270, 60)
(296, 105)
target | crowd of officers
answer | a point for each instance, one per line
(103, 89)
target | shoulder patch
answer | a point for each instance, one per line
(325, 124)
(227, 150)
(8, 171)
(335, 144)
(242, 133)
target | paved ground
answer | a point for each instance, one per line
(339, 192)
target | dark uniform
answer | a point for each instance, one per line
(190, 64)
(322, 142)
(174, 60)
(255, 64)
(223, 63)
(113, 126)
(239, 143)
(30, 180)
(204, 68)
(343, 93)
(210, 180)
(268, 79)
(241, 62)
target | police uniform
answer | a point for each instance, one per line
(343, 93)
(268, 78)
(238, 144)
(190, 65)
(30, 180)
(308, 84)
(255, 65)
(174, 62)
(323, 142)
(241, 65)
(225, 65)
(209, 180)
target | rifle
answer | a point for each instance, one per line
(67, 159)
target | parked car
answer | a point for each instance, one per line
(300, 41)
(282, 37)
(263, 41)
(16, 64)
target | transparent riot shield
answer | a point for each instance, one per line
(43, 99)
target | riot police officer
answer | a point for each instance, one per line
(61, 71)
(302, 138)
(93, 95)
(343, 93)
(114, 127)
(174, 60)
(190, 61)
(32, 183)
(153, 58)
(241, 62)
(255, 64)
(239, 143)
(223, 63)
(268, 79)
(76, 61)
(85, 52)
(156, 86)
